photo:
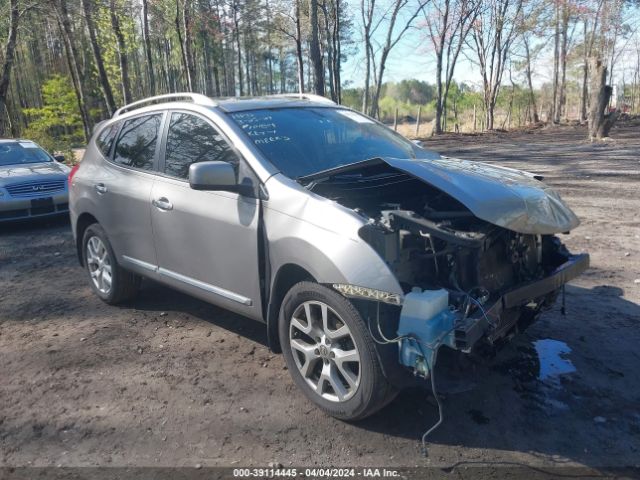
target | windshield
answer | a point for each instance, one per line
(20, 153)
(302, 141)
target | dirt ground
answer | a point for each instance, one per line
(170, 381)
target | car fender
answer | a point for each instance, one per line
(321, 236)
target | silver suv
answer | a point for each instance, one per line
(362, 252)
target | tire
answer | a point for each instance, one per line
(115, 288)
(321, 354)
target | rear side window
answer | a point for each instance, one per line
(136, 145)
(192, 139)
(106, 138)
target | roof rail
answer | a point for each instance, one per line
(193, 97)
(305, 96)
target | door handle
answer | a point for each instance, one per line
(162, 204)
(100, 188)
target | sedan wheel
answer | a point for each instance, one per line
(324, 351)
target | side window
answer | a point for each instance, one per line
(136, 144)
(190, 140)
(106, 138)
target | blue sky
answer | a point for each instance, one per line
(413, 57)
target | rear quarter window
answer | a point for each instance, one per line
(106, 138)
(136, 144)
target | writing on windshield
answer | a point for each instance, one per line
(302, 141)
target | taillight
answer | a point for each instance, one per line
(72, 173)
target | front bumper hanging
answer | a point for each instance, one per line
(469, 332)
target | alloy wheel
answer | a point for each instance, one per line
(99, 264)
(324, 351)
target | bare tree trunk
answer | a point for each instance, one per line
(556, 64)
(282, 67)
(166, 54)
(236, 24)
(299, 49)
(599, 122)
(437, 123)
(219, 55)
(330, 52)
(562, 94)
(337, 57)
(72, 61)
(489, 116)
(585, 77)
(188, 42)
(532, 95)
(366, 10)
(105, 86)
(5, 74)
(247, 64)
(589, 41)
(122, 53)
(269, 48)
(314, 50)
(206, 58)
(147, 46)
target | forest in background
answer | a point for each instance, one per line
(67, 64)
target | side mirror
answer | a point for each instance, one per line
(213, 176)
(59, 158)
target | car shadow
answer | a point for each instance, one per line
(156, 298)
(35, 225)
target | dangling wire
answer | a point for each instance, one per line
(384, 340)
(432, 374)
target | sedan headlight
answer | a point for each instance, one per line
(354, 291)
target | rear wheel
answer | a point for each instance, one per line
(330, 353)
(109, 281)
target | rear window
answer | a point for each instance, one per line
(22, 152)
(136, 145)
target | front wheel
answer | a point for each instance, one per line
(330, 353)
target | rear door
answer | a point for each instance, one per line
(123, 191)
(206, 242)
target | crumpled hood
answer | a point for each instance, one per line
(10, 174)
(502, 196)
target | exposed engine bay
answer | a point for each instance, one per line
(495, 279)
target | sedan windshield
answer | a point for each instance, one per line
(303, 141)
(20, 153)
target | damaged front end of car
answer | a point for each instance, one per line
(473, 247)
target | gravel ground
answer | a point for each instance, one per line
(167, 380)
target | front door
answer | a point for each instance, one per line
(206, 242)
